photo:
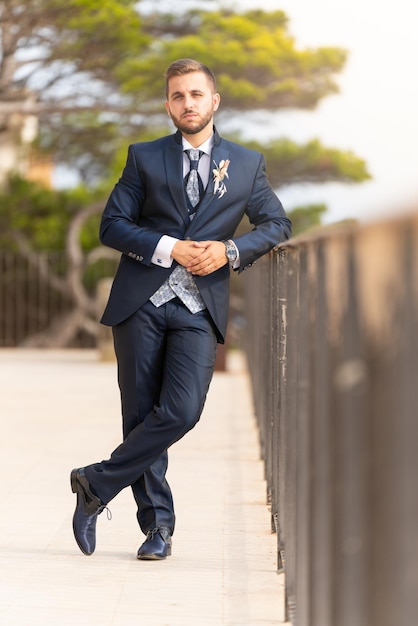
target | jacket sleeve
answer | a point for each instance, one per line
(270, 224)
(119, 226)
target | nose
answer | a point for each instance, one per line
(188, 102)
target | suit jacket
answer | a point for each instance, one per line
(149, 201)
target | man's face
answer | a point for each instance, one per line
(191, 102)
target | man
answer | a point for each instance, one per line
(172, 215)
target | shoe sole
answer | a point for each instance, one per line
(153, 557)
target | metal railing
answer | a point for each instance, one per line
(332, 348)
(30, 303)
(27, 304)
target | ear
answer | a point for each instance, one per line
(167, 108)
(216, 101)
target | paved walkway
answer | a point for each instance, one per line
(59, 410)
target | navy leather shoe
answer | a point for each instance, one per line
(86, 511)
(157, 545)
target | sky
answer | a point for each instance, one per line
(376, 112)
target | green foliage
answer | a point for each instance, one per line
(100, 77)
(66, 57)
(254, 58)
(92, 35)
(289, 163)
(43, 216)
(85, 141)
(99, 86)
(306, 217)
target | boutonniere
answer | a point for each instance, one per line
(219, 173)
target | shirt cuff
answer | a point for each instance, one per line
(163, 250)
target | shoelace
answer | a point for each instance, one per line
(108, 511)
(151, 533)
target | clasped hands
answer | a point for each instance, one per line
(200, 257)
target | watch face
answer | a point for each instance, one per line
(231, 253)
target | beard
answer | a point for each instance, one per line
(192, 127)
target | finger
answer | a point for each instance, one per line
(202, 269)
(199, 261)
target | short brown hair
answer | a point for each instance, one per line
(186, 66)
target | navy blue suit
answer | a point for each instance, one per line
(166, 355)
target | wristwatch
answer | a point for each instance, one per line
(230, 251)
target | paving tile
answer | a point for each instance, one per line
(60, 409)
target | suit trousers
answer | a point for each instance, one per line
(166, 357)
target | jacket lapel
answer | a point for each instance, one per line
(174, 171)
(218, 154)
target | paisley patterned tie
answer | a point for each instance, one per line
(194, 185)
